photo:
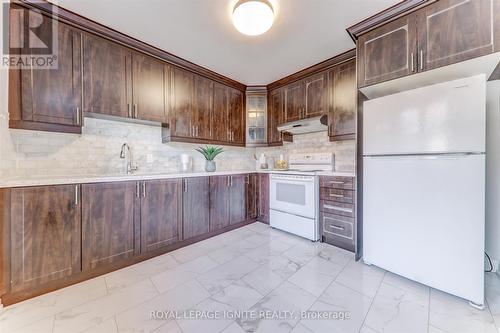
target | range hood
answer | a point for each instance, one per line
(309, 125)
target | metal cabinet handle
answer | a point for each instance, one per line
(184, 185)
(228, 181)
(77, 200)
(78, 115)
(143, 189)
(412, 62)
(342, 209)
(421, 59)
(137, 190)
(129, 110)
(337, 227)
(336, 182)
(136, 113)
(336, 195)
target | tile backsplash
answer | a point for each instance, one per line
(345, 151)
(97, 151)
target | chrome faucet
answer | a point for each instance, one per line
(127, 153)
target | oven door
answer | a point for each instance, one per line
(294, 194)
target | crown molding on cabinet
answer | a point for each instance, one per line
(385, 16)
(322, 66)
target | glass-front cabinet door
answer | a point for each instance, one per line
(256, 117)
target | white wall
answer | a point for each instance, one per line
(493, 171)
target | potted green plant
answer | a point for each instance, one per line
(210, 152)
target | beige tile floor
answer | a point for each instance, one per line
(253, 268)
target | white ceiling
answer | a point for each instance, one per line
(305, 32)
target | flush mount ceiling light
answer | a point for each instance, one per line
(253, 17)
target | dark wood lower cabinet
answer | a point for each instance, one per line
(45, 235)
(219, 202)
(338, 212)
(237, 199)
(161, 213)
(252, 195)
(110, 223)
(196, 206)
(55, 236)
(263, 198)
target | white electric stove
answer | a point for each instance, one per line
(294, 194)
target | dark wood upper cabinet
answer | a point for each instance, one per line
(451, 31)
(107, 77)
(219, 202)
(150, 79)
(182, 87)
(220, 121)
(54, 96)
(236, 116)
(196, 206)
(161, 213)
(263, 199)
(315, 95)
(202, 107)
(45, 235)
(252, 183)
(442, 33)
(275, 116)
(342, 105)
(294, 101)
(237, 198)
(110, 223)
(388, 52)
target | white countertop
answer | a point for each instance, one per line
(82, 179)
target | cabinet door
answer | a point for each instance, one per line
(342, 106)
(45, 235)
(110, 229)
(55, 95)
(150, 77)
(451, 31)
(264, 198)
(294, 101)
(315, 92)
(388, 52)
(161, 213)
(275, 117)
(196, 203)
(236, 116)
(107, 77)
(220, 122)
(219, 202)
(252, 183)
(182, 85)
(237, 199)
(202, 108)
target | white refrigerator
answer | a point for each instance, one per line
(424, 185)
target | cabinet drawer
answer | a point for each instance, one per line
(338, 208)
(346, 183)
(337, 195)
(339, 226)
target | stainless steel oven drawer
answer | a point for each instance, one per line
(338, 226)
(337, 208)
